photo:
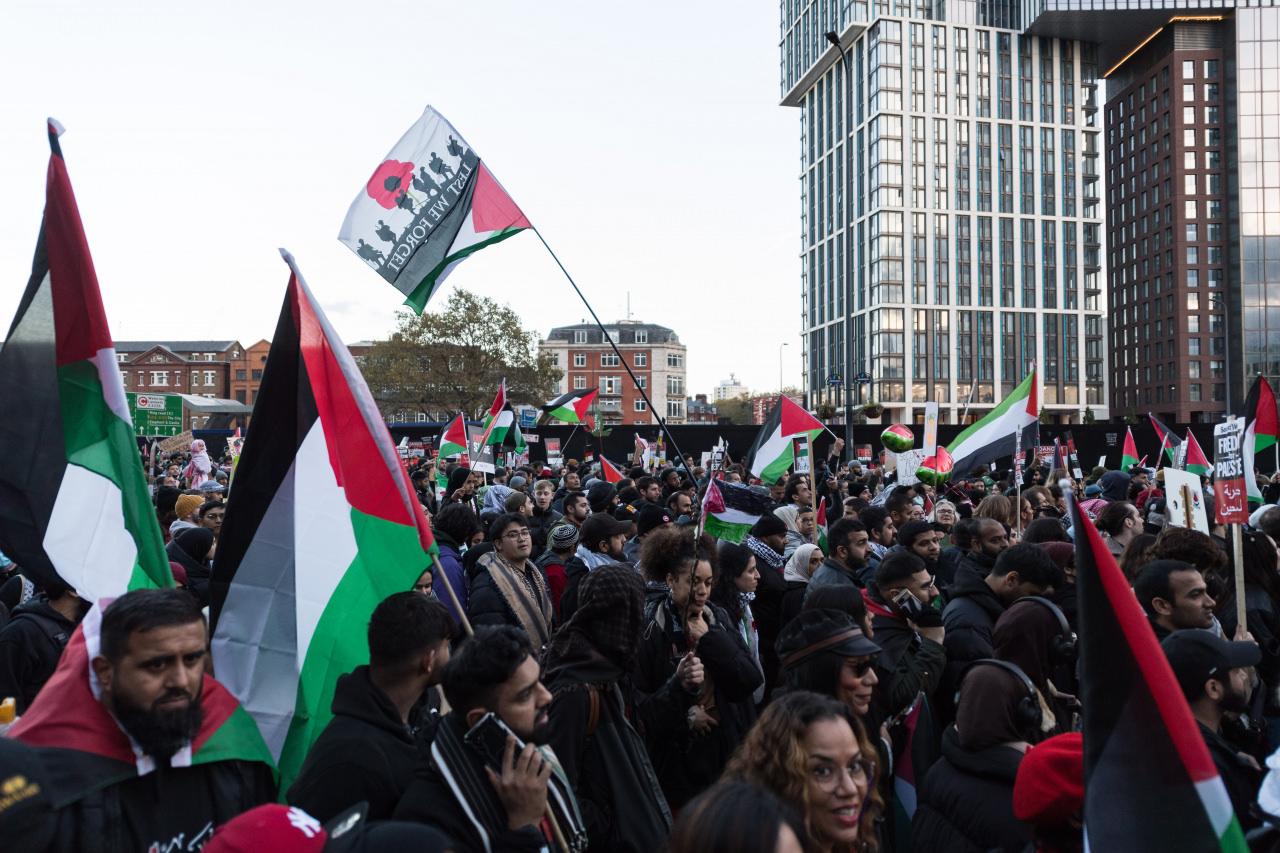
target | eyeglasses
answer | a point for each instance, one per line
(827, 777)
(862, 667)
(513, 535)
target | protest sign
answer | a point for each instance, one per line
(1231, 504)
(1184, 497)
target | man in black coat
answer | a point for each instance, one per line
(33, 640)
(366, 753)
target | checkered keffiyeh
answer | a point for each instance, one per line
(609, 617)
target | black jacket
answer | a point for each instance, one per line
(430, 800)
(603, 755)
(966, 802)
(30, 645)
(970, 617)
(540, 524)
(574, 571)
(365, 754)
(768, 613)
(908, 663)
(167, 809)
(485, 604)
(1241, 779)
(686, 762)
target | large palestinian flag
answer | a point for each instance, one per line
(1259, 431)
(453, 441)
(1169, 441)
(1149, 782)
(773, 452)
(428, 205)
(730, 510)
(67, 718)
(573, 407)
(73, 497)
(322, 524)
(992, 437)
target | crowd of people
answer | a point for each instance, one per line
(589, 670)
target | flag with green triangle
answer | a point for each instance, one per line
(1259, 431)
(773, 452)
(1129, 455)
(1197, 463)
(453, 441)
(1169, 441)
(572, 407)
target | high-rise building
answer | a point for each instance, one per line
(973, 214)
(654, 353)
(729, 388)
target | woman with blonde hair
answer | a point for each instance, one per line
(811, 751)
(998, 507)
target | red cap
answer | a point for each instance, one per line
(274, 827)
(1050, 784)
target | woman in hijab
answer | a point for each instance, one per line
(804, 561)
(1029, 635)
(198, 468)
(192, 548)
(966, 801)
(801, 526)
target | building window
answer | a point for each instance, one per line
(580, 337)
(555, 359)
(642, 382)
(1193, 324)
(641, 406)
(1193, 346)
(257, 375)
(124, 379)
(642, 359)
(242, 375)
(675, 359)
(609, 359)
(642, 337)
(1193, 392)
(675, 408)
(610, 385)
(579, 359)
(675, 386)
(579, 382)
(210, 378)
(195, 378)
(160, 377)
(240, 396)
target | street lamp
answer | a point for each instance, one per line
(848, 241)
(780, 346)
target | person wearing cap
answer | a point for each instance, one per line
(289, 829)
(366, 753)
(1174, 595)
(1216, 677)
(1048, 793)
(827, 652)
(626, 513)
(649, 517)
(602, 497)
(601, 540)
(559, 563)
(185, 511)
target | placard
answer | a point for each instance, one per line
(1231, 503)
(908, 461)
(1184, 500)
(181, 441)
(482, 461)
(930, 429)
(862, 453)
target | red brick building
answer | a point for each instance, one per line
(223, 370)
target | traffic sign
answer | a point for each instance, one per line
(862, 376)
(155, 414)
(835, 379)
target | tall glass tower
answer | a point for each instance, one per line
(973, 218)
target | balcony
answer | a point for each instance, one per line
(608, 404)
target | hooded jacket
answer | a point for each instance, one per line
(366, 753)
(966, 801)
(970, 617)
(190, 549)
(832, 573)
(30, 645)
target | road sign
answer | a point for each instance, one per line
(835, 379)
(155, 414)
(862, 376)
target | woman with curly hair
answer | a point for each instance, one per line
(811, 751)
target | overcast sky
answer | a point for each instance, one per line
(643, 139)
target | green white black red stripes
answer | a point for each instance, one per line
(992, 437)
(573, 407)
(429, 205)
(453, 441)
(1169, 441)
(773, 451)
(1129, 453)
(1259, 431)
(730, 510)
(322, 524)
(73, 497)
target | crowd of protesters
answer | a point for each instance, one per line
(904, 679)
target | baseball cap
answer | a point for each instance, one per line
(651, 516)
(212, 486)
(625, 513)
(288, 829)
(599, 526)
(815, 631)
(1197, 655)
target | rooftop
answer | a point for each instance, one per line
(623, 332)
(176, 346)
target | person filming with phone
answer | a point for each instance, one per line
(908, 629)
(487, 781)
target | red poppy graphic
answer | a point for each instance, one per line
(389, 180)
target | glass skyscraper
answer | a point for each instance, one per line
(976, 219)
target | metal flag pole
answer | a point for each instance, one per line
(662, 423)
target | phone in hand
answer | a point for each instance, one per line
(907, 604)
(489, 738)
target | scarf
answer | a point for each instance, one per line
(525, 593)
(797, 568)
(608, 620)
(789, 515)
(764, 554)
(198, 468)
(466, 778)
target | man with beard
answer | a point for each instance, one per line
(988, 541)
(1174, 595)
(163, 754)
(457, 788)
(576, 509)
(847, 540)
(366, 753)
(595, 709)
(924, 539)
(1216, 677)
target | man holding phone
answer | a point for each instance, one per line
(908, 629)
(487, 783)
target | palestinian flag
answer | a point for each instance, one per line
(772, 453)
(1149, 782)
(821, 521)
(992, 437)
(905, 784)
(572, 408)
(1129, 455)
(730, 510)
(1169, 441)
(74, 505)
(453, 441)
(68, 719)
(1259, 431)
(321, 526)
(499, 421)
(1197, 462)
(428, 205)
(610, 473)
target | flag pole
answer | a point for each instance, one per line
(439, 572)
(662, 423)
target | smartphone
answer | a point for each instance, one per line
(489, 738)
(907, 603)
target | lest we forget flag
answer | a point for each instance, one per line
(428, 205)
(1149, 782)
(74, 506)
(322, 524)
